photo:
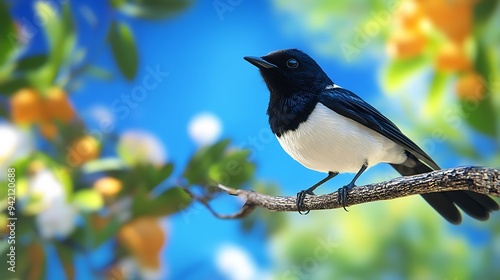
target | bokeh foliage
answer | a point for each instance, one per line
(72, 197)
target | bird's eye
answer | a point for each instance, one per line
(292, 63)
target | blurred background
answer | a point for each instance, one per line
(108, 109)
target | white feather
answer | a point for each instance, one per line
(332, 86)
(328, 141)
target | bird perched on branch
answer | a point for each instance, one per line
(330, 129)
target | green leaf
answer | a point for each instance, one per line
(398, 71)
(169, 202)
(148, 175)
(233, 170)
(160, 175)
(104, 164)
(485, 60)
(56, 25)
(466, 149)
(31, 62)
(60, 32)
(88, 200)
(104, 234)
(7, 34)
(483, 10)
(98, 72)
(117, 3)
(154, 9)
(52, 25)
(197, 169)
(437, 92)
(217, 164)
(144, 177)
(11, 86)
(482, 115)
(124, 50)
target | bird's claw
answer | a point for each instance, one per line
(342, 195)
(300, 201)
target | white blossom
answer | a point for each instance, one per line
(204, 129)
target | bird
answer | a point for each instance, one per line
(330, 129)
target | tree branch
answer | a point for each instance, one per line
(477, 179)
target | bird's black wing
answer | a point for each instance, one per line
(349, 105)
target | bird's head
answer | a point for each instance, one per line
(290, 71)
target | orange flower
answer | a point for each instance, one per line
(409, 37)
(26, 106)
(144, 238)
(453, 18)
(57, 105)
(82, 150)
(452, 57)
(410, 16)
(470, 86)
(48, 130)
(108, 186)
(406, 44)
(36, 166)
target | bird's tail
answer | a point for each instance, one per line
(475, 205)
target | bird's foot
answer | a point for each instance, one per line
(342, 195)
(300, 201)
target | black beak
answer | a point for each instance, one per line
(259, 62)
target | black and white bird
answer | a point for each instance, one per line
(330, 129)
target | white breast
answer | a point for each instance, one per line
(328, 141)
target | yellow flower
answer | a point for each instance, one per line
(57, 105)
(26, 106)
(108, 186)
(452, 57)
(82, 150)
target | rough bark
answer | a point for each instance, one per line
(477, 179)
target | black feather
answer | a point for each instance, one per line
(348, 104)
